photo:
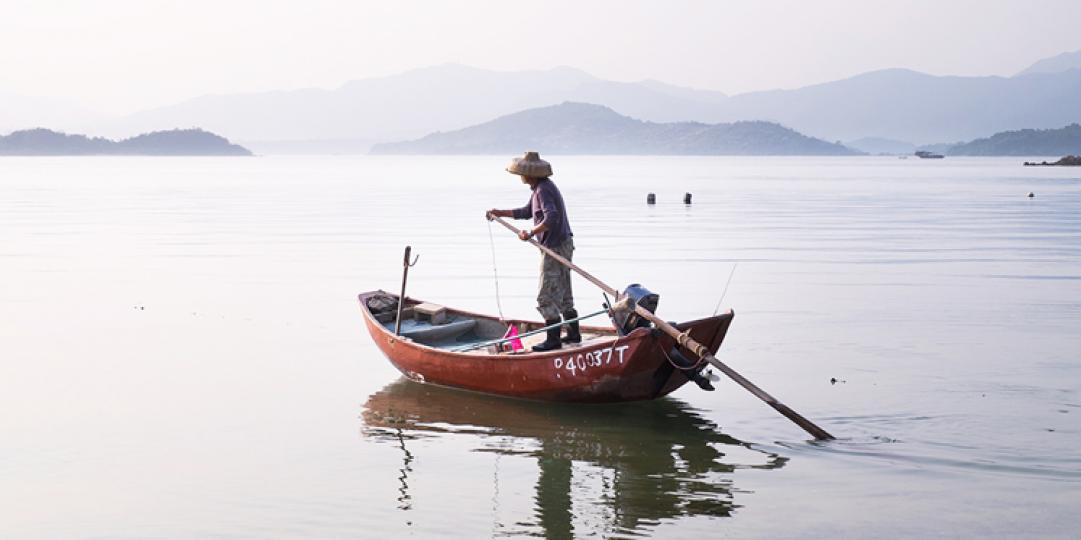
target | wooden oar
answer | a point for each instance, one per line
(690, 344)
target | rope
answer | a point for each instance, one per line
(730, 274)
(693, 367)
(498, 302)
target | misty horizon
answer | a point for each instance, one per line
(340, 77)
(122, 56)
(104, 112)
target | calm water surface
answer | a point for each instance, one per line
(181, 354)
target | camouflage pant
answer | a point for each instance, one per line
(555, 296)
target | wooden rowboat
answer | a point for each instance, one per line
(604, 367)
(639, 359)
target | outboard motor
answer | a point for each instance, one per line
(634, 295)
(627, 319)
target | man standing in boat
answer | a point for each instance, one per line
(552, 229)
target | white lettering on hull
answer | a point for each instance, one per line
(590, 359)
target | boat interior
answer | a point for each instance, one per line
(441, 327)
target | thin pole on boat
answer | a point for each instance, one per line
(401, 297)
(725, 291)
(529, 333)
(685, 341)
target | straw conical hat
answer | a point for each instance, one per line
(530, 165)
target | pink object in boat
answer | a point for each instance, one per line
(515, 344)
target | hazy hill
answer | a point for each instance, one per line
(406, 105)
(910, 106)
(1025, 142)
(186, 142)
(580, 128)
(1055, 64)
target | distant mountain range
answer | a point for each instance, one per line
(409, 105)
(581, 128)
(1025, 142)
(896, 104)
(1055, 64)
(187, 142)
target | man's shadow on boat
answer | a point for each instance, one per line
(664, 459)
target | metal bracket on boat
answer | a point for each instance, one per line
(611, 310)
(401, 297)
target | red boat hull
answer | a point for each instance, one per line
(618, 368)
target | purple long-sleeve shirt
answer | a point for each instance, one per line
(546, 206)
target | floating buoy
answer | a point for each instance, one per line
(686, 198)
(1031, 194)
(651, 199)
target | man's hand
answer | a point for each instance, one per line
(491, 214)
(524, 235)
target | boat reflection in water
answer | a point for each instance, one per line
(660, 459)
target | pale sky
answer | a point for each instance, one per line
(118, 56)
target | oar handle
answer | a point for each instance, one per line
(688, 343)
(560, 258)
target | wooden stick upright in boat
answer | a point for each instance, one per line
(401, 297)
(690, 344)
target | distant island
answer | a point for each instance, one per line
(582, 128)
(177, 142)
(1068, 161)
(1025, 142)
